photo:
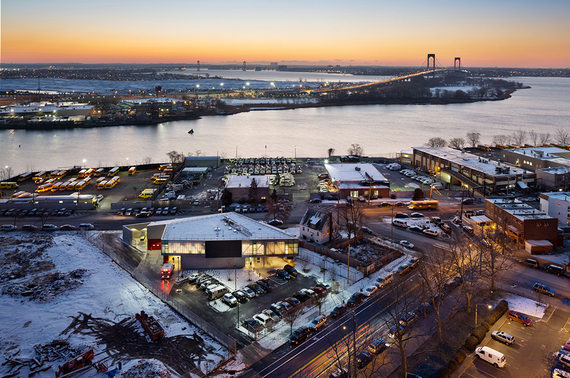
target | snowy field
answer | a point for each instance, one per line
(66, 289)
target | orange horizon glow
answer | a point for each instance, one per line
(140, 32)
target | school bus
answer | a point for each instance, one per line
(17, 194)
(113, 172)
(82, 173)
(111, 183)
(132, 170)
(427, 204)
(155, 176)
(81, 184)
(89, 172)
(162, 167)
(57, 174)
(147, 193)
(24, 176)
(99, 179)
(56, 186)
(168, 171)
(39, 175)
(8, 185)
(99, 172)
(101, 185)
(160, 180)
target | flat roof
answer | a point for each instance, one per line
(472, 161)
(519, 209)
(560, 196)
(544, 153)
(235, 181)
(195, 169)
(555, 170)
(354, 172)
(222, 226)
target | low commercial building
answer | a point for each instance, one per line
(242, 188)
(316, 226)
(194, 174)
(456, 167)
(214, 241)
(358, 179)
(557, 205)
(550, 179)
(537, 157)
(523, 223)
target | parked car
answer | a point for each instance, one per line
(445, 228)
(403, 269)
(518, 317)
(283, 274)
(240, 296)
(338, 310)
(401, 215)
(503, 337)
(252, 325)
(408, 319)
(272, 314)
(531, 262)
(49, 227)
(417, 215)
(363, 359)
(396, 331)
(29, 227)
(278, 309)
(423, 309)
(543, 289)
(406, 244)
(129, 211)
(416, 228)
(370, 290)
(8, 227)
(317, 323)
(250, 293)
(230, 300)
(377, 346)
(256, 288)
(355, 299)
(316, 200)
(86, 226)
(293, 302)
(263, 319)
(286, 305)
(384, 280)
(299, 335)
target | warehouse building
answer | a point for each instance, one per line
(224, 240)
(358, 179)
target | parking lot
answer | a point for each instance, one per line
(532, 354)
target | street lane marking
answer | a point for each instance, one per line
(550, 316)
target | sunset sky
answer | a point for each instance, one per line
(484, 33)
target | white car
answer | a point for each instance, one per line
(247, 291)
(229, 299)
(8, 227)
(370, 290)
(406, 244)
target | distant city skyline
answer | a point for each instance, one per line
(525, 33)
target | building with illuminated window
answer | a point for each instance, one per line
(224, 240)
(358, 179)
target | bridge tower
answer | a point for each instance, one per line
(457, 64)
(432, 56)
(243, 66)
(198, 66)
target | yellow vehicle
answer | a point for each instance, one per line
(147, 193)
(427, 204)
(56, 186)
(89, 172)
(162, 167)
(39, 175)
(24, 176)
(82, 173)
(17, 194)
(132, 171)
(160, 180)
(81, 184)
(8, 185)
(99, 172)
(155, 176)
(57, 174)
(101, 185)
(113, 172)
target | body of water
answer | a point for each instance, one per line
(379, 129)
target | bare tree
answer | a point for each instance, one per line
(468, 263)
(519, 137)
(562, 136)
(175, 157)
(292, 315)
(436, 142)
(355, 149)
(474, 138)
(457, 143)
(533, 136)
(278, 209)
(500, 140)
(147, 160)
(351, 217)
(544, 138)
(496, 253)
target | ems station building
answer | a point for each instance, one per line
(358, 179)
(224, 240)
(459, 168)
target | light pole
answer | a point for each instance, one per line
(478, 304)
(392, 224)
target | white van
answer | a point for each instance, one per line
(400, 223)
(492, 356)
(437, 185)
(217, 292)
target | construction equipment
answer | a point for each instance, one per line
(150, 325)
(84, 360)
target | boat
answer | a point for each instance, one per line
(191, 131)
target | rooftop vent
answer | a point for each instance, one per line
(357, 168)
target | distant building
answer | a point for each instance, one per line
(202, 161)
(358, 179)
(214, 241)
(556, 204)
(194, 174)
(456, 167)
(523, 223)
(549, 179)
(537, 157)
(316, 226)
(240, 187)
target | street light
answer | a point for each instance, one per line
(478, 304)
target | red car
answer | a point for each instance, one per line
(518, 317)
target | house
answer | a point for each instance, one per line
(316, 226)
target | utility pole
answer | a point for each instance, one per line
(348, 268)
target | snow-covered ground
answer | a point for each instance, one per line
(102, 295)
(525, 305)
